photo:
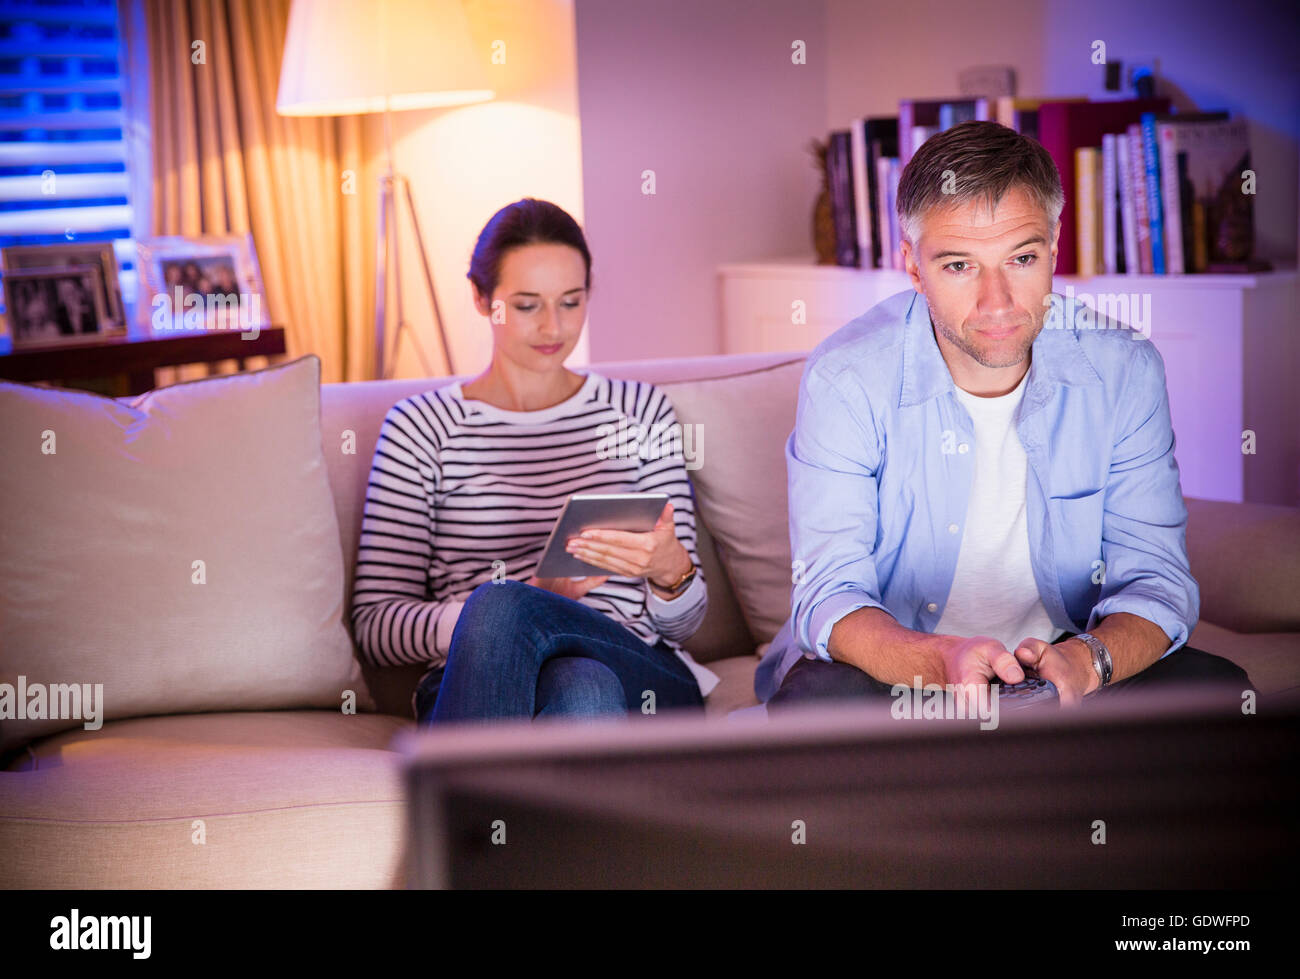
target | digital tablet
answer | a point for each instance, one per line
(635, 512)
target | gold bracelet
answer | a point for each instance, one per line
(680, 584)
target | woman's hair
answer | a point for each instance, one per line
(524, 222)
(976, 161)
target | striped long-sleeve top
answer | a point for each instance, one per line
(462, 492)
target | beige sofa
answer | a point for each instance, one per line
(314, 798)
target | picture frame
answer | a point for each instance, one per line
(19, 257)
(214, 268)
(55, 306)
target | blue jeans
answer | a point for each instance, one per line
(522, 651)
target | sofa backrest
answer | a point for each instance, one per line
(352, 413)
(745, 404)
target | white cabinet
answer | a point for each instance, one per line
(1229, 342)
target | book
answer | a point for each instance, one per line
(882, 140)
(1170, 198)
(882, 211)
(895, 233)
(1110, 244)
(1087, 206)
(1141, 219)
(1064, 126)
(839, 172)
(1151, 174)
(1128, 206)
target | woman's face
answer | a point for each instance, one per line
(539, 307)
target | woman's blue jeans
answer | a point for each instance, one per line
(521, 651)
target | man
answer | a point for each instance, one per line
(972, 480)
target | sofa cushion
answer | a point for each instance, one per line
(180, 549)
(741, 483)
(290, 799)
(1246, 559)
(1270, 659)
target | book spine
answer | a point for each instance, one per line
(906, 115)
(858, 158)
(1137, 175)
(1085, 211)
(1109, 229)
(895, 234)
(842, 203)
(1170, 199)
(1151, 160)
(1127, 203)
(882, 210)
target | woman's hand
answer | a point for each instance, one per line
(573, 588)
(656, 555)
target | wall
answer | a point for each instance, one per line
(705, 95)
(466, 163)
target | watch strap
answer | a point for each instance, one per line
(681, 584)
(1101, 661)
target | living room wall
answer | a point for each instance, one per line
(703, 92)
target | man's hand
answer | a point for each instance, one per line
(1068, 665)
(979, 659)
(573, 588)
(969, 662)
(656, 555)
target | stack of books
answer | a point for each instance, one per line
(1147, 191)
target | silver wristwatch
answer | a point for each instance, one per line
(1100, 657)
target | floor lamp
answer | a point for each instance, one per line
(363, 56)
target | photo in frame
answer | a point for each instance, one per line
(211, 282)
(101, 253)
(46, 307)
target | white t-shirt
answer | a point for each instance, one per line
(993, 589)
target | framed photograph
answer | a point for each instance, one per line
(18, 257)
(206, 283)
(55, 305)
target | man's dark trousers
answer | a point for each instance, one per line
(815, 679)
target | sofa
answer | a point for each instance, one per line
(198, 779)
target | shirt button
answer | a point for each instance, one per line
(932, 607)
(963, 448)
(952, 528)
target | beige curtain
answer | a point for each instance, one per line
(223, 162)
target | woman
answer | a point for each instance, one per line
(467, 482)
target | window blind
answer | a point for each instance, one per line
(62, 157)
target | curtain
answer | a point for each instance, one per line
(221, 161)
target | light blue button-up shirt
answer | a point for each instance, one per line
(880, 465)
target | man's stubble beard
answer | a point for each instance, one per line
(1011, 359)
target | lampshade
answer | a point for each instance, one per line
(344, 57)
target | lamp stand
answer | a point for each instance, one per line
(389, 184)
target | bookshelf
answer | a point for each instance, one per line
(1230, 345)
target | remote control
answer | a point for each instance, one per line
(1030, 691)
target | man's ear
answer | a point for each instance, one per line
(1056, 236)
(911, 263)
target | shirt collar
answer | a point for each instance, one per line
(1057, 358)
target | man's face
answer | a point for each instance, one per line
(985, 278)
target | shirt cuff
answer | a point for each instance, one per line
(1151, 609)
(830, 610)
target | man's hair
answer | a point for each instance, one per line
(986, 160)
